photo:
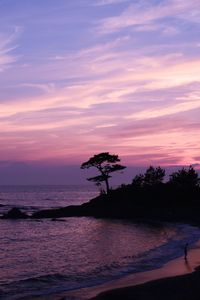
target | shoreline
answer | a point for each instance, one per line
(123, 288)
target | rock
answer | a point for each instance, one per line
(69, 211)
(14, 213)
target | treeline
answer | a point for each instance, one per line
(153, 195)
(106, 164)
(182, 184)
(183, 178)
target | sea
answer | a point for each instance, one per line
(43, 257)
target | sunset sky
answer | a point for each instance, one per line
(79, 77)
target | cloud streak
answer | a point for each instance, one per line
(142, 13)
(134, 91)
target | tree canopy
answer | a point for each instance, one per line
(185, 178)
(152, 176)
(106, 164)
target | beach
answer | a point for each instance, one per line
(175, 288)
(176, 280)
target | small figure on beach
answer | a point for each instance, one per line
(186, 251)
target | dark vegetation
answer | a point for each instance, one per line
(106, 164)
(147, 198)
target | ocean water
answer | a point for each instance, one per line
(41, 257)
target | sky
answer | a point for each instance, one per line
(80, 77)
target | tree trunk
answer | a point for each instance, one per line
(107, 185)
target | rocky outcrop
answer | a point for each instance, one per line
(15, 213)
(96, 207)
(159, 203)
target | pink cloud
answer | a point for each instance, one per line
(139, 102)
(143, 12)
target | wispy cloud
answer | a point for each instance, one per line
(108, 2)
(70, 93)
(143, 13)
(7, 47)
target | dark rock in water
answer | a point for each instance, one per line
(69, 211)
(14, 213)
(1, 205)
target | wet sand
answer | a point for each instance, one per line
(184, 287)
(177, 280)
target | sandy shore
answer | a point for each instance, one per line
(184, 287)
(177, 280)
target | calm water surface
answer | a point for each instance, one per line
(42, 257)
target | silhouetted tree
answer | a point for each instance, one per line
(185, 178)
(106, 164)
(138, 181)
(154, 176)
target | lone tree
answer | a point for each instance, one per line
(106, 164)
